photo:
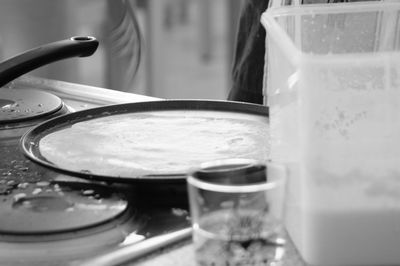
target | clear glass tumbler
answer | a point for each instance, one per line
(237, 211)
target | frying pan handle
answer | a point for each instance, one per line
(14, 67)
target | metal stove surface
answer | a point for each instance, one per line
(47, 218)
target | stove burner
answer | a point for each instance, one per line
(56, 207)
(26, 104)
(32, 202)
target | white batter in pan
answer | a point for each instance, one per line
(158, 142)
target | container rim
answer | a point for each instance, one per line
(296, 56)
(277, 181)
(333, 8)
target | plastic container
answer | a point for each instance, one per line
(332, 81)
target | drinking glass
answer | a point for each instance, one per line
(237, 211)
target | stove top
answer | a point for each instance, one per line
(47, 218)
(27, 105)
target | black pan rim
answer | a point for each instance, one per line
(29, 141)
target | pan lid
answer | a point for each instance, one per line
(17, 105)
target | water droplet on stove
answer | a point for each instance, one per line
(43, 184)
(36, 191)
(19, 196)
(57, 188)
(179, 212)
(23, 185)
(97, 196)
(42, 204)
(88, 192)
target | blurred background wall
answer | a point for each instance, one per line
(185, 45)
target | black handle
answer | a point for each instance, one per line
(14, 67)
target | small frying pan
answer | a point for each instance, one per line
(111, 143)
(80, 46)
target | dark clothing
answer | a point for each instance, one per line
(248, 63)
(248, 66)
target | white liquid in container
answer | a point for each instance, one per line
(335, 121)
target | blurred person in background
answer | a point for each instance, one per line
(248, 62)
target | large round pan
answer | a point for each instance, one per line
(64, 133)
